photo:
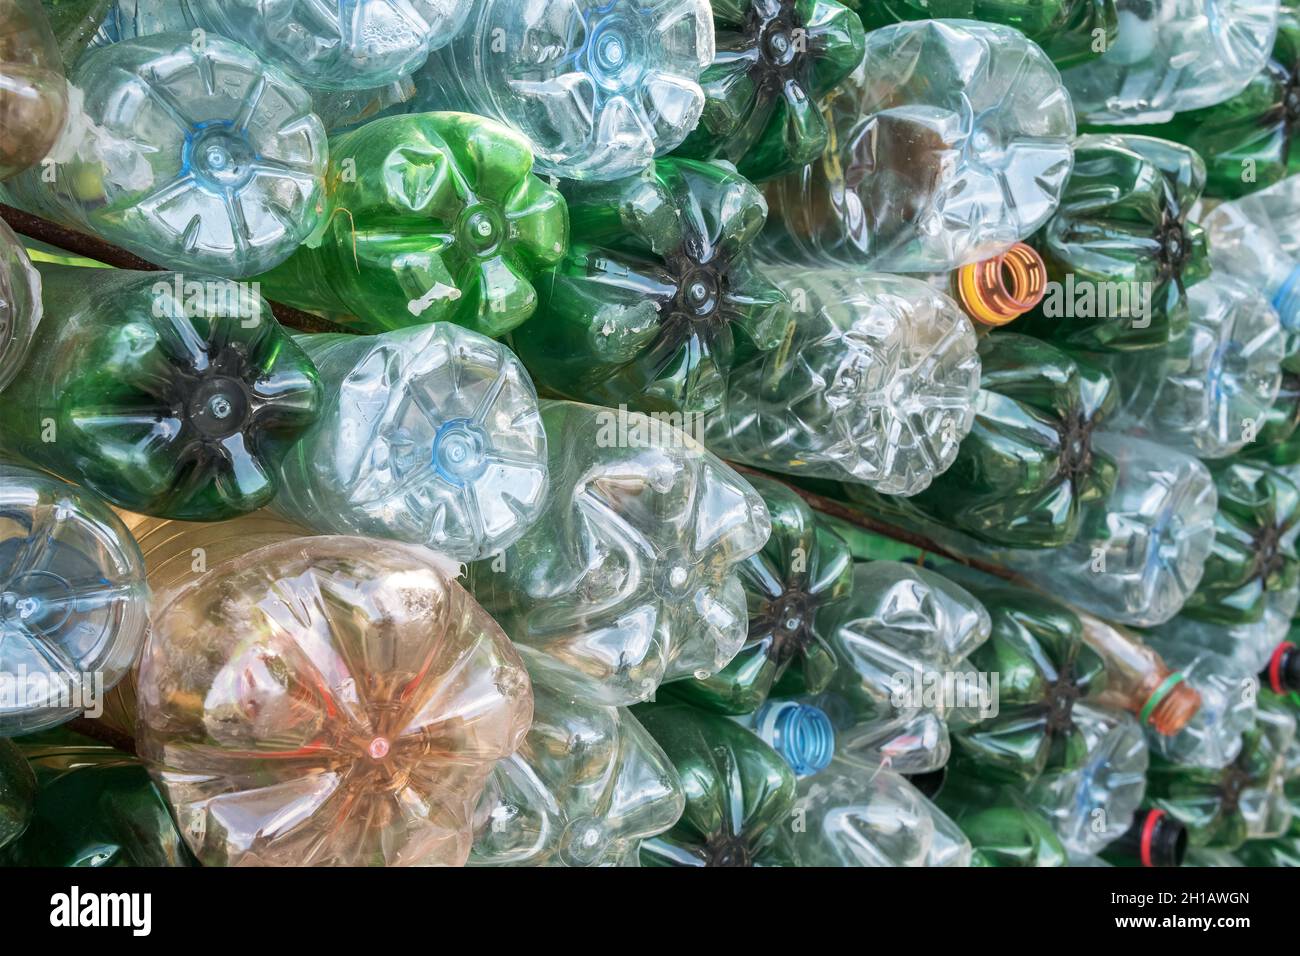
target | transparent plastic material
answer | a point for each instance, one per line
(20, 304)
(164, 393)
(585, 787)
(877, 384)
(1094, 803)
(1174, 55)
(353, 45)
(1212, 738)
(600, 86)
(949, 143)
(320, 701)
(1002, 827)
(1244, 246)
(1139, 680)
(432, 217)
(206, 159)
(17, 791)
(900, 642)
(1249, 645)
(629, 578)
(1141, 552)
(856, 814)
(33, 94)
(73, 600)
(1205, 392)
(429, 435)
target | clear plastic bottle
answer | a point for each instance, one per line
(856, 814)
(429, 434)
(1172, 56)
(601, 87)
(1206, 391)
(347, 46)
(33, 94)
(1141, 551)
(949, 143)
(1094, 803)
(205, 159)
(586, 786)
(73, 600)
(20, 304)
(169, 394)
(314, 701)
(877, 384)
(628, 579)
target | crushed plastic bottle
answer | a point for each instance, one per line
(803, 571)
(296, 678)
(601, 87)
(901, 641)
(429, 434)
(1172, 56)
(855, 814)
(17, 793)
(1002, 827)
(629, 577)
(223, 177)
(740, 795)
(1094, 803)
(163, 393)
(659, 294)
(20, 304)
(33, 94)
(1120, 251)
(73, 600)
(346, 46)
(1205, 392)
(876, 384)
(1027, 471)
(586, 786)
(950, 143)
(1213, 737)
(775, 61)
(431, 217)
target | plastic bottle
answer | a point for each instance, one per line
(429, 434)
(1205, 392)
(854, 814)
(17, 793)
(288, 679)
(33, 94)
(1154, 839)
(1246, 245)
(20, 304)
(163, 393)
(600, 87)
(586, 786)
(739, 799)
(901, 643)
(1141, 552)
(950, 143)
(876, 384)
(1067, 30)
(1213, 737)
(96, 807)
(227, 182)
(1029, 468)
(629, 577)
(353, 46)
(1172, 56)
(73, 600)
(1121, 251)
(1093, 804)
(1247, 140)
(659, 295)
(431, 217)
(1002, 827)
(803, 571)
(774, 62)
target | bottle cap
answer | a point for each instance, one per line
(1171, 706)
(1283, 672)
(997, 290)
(1154, 839)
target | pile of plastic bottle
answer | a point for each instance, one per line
(688, 433)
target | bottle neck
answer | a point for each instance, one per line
(1286, 300)
(800, 733)
(996, 291)
(1155, 839)
(1282, 675)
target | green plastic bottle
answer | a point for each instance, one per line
(17, 791)
(431, 217)
(1003, 829)
(774, 62)
(166, 394)
(658, 296)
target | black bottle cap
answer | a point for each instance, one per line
(1154, 839)
(1282, 675)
